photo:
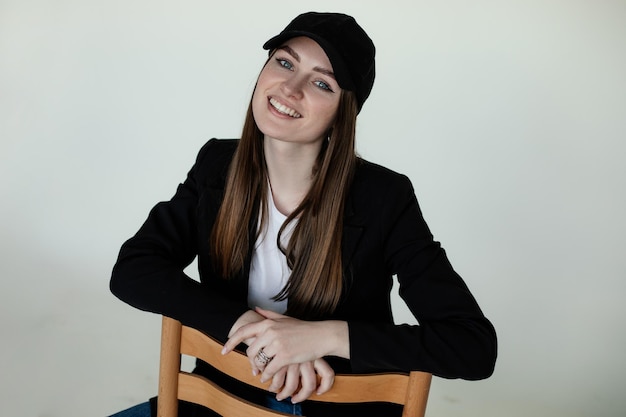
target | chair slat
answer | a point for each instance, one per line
(199, 390)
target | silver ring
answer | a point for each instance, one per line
(263, 358)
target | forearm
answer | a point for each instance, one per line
(451, 349)
(337, 338)
(149, 275)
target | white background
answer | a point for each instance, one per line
(509, 117)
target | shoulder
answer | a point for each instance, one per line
(372, 177)
(216, 150)
(376, 190)
(214, 159)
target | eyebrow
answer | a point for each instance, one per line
(295, 55)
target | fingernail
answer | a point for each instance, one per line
(255, 372)
(224, 351)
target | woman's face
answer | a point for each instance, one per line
(296, 96)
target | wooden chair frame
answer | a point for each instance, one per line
(410, 390)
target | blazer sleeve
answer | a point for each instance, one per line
(149, 273)
(453, 338)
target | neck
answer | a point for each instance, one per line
(290, 170)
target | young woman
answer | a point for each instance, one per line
(298, 239)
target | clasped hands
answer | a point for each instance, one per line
(291, 351)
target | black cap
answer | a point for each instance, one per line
(350, 51)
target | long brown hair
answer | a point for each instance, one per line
(314, 250)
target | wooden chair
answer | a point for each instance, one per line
(410, 390)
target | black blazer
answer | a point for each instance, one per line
(384, 235)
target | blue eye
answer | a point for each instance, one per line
(323, 85)
(284, 63)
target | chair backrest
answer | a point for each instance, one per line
(410, 390)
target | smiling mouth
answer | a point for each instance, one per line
(281, 108)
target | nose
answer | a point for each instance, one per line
(293, 86)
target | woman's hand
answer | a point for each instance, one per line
(288, 341)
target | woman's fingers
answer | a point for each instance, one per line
(259, 359)
(300, 381)
(246, 332)
(278, 381)
(308, 383)
(291, 382)
(246, 318)
(326, 374)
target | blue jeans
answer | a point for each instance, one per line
(285, 406)
(140, 410)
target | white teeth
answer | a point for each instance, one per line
(284, 109)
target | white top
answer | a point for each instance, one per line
(268, 269)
